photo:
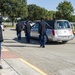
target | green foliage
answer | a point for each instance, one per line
(14, 8)
(65, 10)
(51, 15)
(73, 18)
(35, 12)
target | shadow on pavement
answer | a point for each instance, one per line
(13, 29)
(54, 43)
(23, 40)
(36, 41)
(21, 46)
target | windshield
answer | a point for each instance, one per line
(62, 24)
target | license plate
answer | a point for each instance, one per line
(66, 37)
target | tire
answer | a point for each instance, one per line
(64, 42)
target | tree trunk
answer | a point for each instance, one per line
(12, 23)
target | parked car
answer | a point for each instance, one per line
(57, 30)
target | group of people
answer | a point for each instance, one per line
(41, 30)
(27, 30)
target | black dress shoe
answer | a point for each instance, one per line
(43, 46)
(1, 67)
(19, 38)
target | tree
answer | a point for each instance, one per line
(73, 18)
(51, 15)
(14, 9)
(65, 10)
(35, 12)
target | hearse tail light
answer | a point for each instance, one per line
(53, 32)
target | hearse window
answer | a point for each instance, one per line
(62, 24)
(36, 25)
(50, 23)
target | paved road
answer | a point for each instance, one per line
(55, 59)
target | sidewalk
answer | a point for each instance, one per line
(7, 68)
(14, 65)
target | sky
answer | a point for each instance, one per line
(49, 4)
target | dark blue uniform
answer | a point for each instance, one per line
(27, 31)
(19, 29)
(42, 31)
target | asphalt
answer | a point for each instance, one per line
(14, 65)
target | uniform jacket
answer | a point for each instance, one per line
(42, 28)
(18, 27)
(27, 28)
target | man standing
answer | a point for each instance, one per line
(18, 30)
(42, 32)
(1, 39)
(27, 31)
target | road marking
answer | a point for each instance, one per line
(32, 66)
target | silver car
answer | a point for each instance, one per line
(57, 30)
